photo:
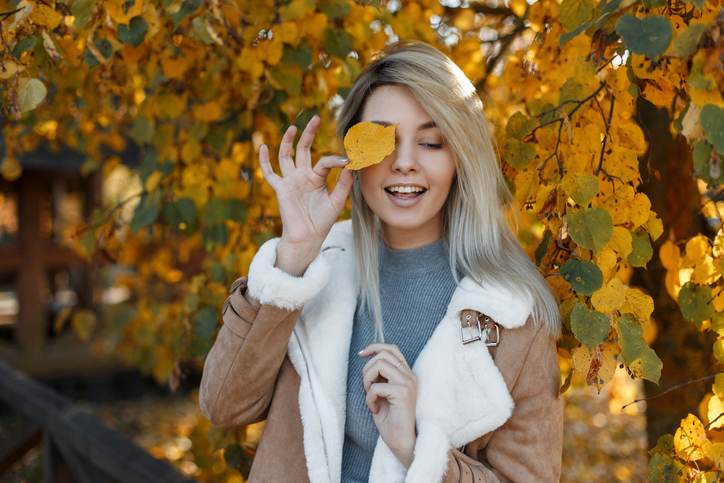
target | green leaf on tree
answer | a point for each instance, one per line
(146, 211)
(591, 228)
(30, 94)
(638, 356)
(641, 251)
(575, 12)
(589, 326)
(517, 153)
(685, 43)
(580, 187)
(712, 122)
(134, 32)
(649, 36)
(337, 42)
(584, 276)
(695, 302)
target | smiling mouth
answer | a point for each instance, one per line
(406, 196)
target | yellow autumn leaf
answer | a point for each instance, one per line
(610, 297)
(690, 438)
(640, 208)
(638, 303)
(8, 68)
(153, 180)
(208, 112)
(654, 226)
(715, 452)
(45, 16)
(595, 366)
(122, 11)
(606, 261)
(704, 270)
(367, 143)
(669, 255)
(621, 241)
(714, 413)
(696, 248)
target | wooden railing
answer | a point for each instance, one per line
(76, 447)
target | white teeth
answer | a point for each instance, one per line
(405, 189)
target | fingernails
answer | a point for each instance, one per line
(361, 352)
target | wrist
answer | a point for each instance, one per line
(295, 257)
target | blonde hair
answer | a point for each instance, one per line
(481, 243)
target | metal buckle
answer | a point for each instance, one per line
(487, 333)
(474, 337)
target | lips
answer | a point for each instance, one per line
(405, 200)
(405, 196)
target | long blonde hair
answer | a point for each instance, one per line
(481, 243)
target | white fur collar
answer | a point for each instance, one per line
(461, 393)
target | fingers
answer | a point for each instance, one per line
(391, 392)
(326, 163)
(341, 190)
(266, 169)
(377, 347)
(304, 155)
(286, 163)
(390, 371)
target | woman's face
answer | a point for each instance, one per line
(422, 162)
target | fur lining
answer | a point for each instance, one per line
(461, 393)
(271, 285)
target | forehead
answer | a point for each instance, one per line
(394, 104)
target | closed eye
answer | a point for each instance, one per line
(433, 146)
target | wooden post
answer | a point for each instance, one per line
(31, 327)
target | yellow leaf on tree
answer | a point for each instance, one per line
(595, 366)
(654, 226)
(610, 297)
(640, 208)
(715, 452)
(122, 11)
(606, 261)
(621, 241)
(690, 439)
(8, 68)
(696, 248)
(638, 303)
(208, 112)
(45, 16)
(669, 255)
(715, 412)
(368, 143)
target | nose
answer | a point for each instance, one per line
(404, 160)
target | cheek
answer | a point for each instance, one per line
(443, 174)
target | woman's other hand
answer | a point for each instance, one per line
(391, 388)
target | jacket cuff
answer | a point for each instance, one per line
(271, 285)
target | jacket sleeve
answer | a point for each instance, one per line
(240, 371)
(528, 447)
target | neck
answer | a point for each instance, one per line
(399, 238)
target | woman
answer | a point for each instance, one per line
(427, 396)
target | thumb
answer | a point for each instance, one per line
(342, 188)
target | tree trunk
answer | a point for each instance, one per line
(668, 180)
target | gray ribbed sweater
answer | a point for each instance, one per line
(415, 288)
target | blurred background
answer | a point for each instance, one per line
(131, 198)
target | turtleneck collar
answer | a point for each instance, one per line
(423, 259)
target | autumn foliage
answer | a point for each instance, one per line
(199, 86)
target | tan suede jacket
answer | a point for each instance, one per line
(484, 414)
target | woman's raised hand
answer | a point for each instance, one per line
(308, 210)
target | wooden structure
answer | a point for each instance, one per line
(35, 254)
(76, 447)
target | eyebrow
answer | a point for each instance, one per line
(421, 127)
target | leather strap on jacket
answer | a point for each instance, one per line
(476, 326)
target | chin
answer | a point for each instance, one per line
(397, 222)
